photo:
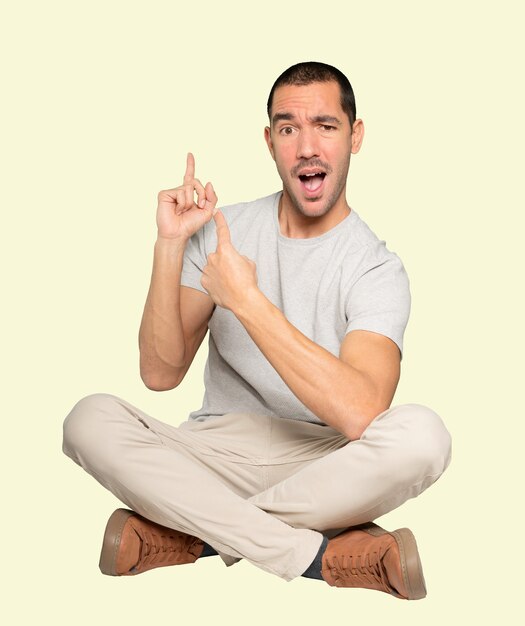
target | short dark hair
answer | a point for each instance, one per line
(314, 72)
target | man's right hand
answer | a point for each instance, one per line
(178, 216)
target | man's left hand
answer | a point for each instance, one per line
(229, 277)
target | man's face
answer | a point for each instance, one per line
(310, 140)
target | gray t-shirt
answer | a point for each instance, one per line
(326, 286)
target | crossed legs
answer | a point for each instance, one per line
(256, 487)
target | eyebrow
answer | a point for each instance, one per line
(322, 119)
(278, 117)
(317, 119)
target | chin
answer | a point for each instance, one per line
(313, 208)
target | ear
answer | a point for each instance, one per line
(268, 139)
(358, 132)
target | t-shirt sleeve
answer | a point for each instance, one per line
(379, 300)
(195, 259)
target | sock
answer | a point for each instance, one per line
(208, 551)
(314, 569)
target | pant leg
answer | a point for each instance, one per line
(317, 479)
(402, 452)
(181, 478)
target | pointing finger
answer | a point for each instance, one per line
(223, 232)
(190, 168)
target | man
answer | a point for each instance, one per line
(295, 450)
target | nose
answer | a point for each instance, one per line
(307, 144)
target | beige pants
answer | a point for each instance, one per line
(254, 486)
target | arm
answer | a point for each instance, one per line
(175, 318)
(174, 321)
(345, 392)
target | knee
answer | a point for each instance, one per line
(84, 425)
(428, 442)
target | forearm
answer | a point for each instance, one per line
(340, 395)
(161, 337)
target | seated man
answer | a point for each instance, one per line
(295, 449)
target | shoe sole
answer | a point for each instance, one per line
(410, 562)
(111, 541)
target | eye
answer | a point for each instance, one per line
(286, 130)
(327, 127)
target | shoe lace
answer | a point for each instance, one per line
(361, 570)
(158, 547)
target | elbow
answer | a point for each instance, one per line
(361, 420)
(354, 432)
(159, 387)
(159, 383)
(159, 376)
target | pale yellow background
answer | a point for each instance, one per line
(101, 101)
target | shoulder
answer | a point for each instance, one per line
(366, 251)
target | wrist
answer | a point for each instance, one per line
(170, 243)
(172, 238)
(169, 251)
(253, 300)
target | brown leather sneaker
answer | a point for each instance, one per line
(369, 557)
(133, 544)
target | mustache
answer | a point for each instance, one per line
(311, 163)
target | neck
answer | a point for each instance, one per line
(296, 225)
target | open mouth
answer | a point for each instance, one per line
(312, 182)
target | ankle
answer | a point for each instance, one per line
(208, 551)
(314, 569)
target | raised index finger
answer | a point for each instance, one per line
(190, 168)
